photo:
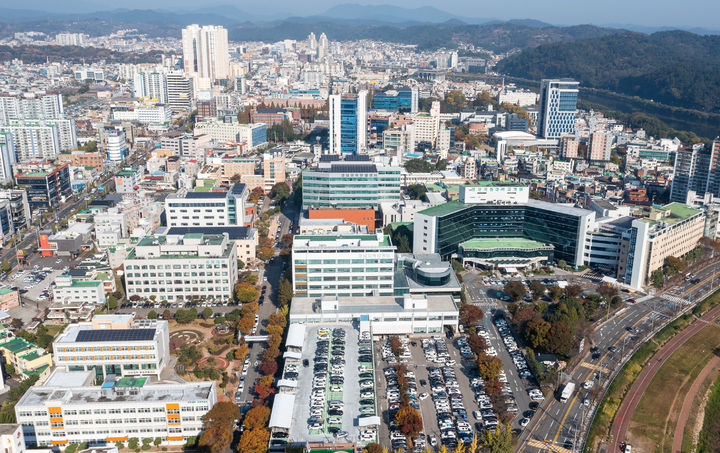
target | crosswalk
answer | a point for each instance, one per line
(675, 299)
(595, 367)
(548, 446)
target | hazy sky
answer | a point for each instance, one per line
(692, 13)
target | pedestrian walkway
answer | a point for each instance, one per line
(548, 446)
(675, 299)
(595, 367)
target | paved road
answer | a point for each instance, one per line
(559, 426)
(632, 399)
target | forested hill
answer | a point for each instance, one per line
(674, 67)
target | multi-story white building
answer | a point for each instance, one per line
(495, 192)
(172, 268)
(40, 107)
(114, 344)
(144, 114)
(205, 53)
(342, 265)
(116, 148)
(69, 290)
(11, 438)
(34, 140)
(70, 39)
(252, 135)
(7, 157)
(186, 144)
(523, 98)
(110, 227)
(179, 91)
(68, 409)
(152, 85)
(207, 209)
(427, 125)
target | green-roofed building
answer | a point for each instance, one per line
(27, 359)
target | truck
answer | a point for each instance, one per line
(567, 392)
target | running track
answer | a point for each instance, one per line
(631, 400)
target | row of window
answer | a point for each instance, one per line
(345, 261)
(178, 274)
(126, 410)
(177, 266)
(107, 348)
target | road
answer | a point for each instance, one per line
(559, 426)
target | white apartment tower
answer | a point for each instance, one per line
(205, 53)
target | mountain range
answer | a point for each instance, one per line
(181, 13)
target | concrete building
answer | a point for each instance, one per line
(273, 163)
(495, 192)
(70, 290)
(116, 147)
(348, 123)
(207, 209)
(427, 125)
(11, 438)
(558, 107)
(180, 94)
(151, 85)
(58, 412)
(673, 230)
(600, 145)
(46, 184)
(342, 265)
(246, 239)
(196, 266)
(569, 147)
(251, 136)
(186, 145)
(114, 344)
(127, 179)
(205, 54)
(27, 359)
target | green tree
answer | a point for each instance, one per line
(157, 441)
(416, 191)
(240, 264)
(658, 278)
(418, 166)
(562, 264)
(454, 101)
(280, 192)
(207, 313)
(535, 332)
(514, 289)
(9, 369)
(133, 443)
(152, 314)
(185, 316)
(537, 290)
(285, 291)
(556, 293)
(112, 303)
(6, 266)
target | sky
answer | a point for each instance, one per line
(658, 13)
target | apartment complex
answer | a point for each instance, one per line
(673, 230)
(205, 52)
(173, 268)
(68, 409)
(342, 265)
(207, 209)
(114, 344)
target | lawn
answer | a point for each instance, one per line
(653, 423)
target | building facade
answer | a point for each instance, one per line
(558, 107)
(195, 266)
(46, 184)
(207, 209)
(348, 123)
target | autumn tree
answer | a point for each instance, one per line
(254, 441)
(263, 391)
(523, 315)
(408, 421)
(489, 367)
(241, 351)
(268, 367)
(607, 291)
(265, 253)
(560, 339)
(271, 353)
(245, 325)
(516, 290)
(477, 343)
(556, 293)
(245, 292)
(218, 427)
(277, 319)
(536, 332)
(257, 417)
(470, 314)
(493, 386)
(573, 290)
(498, 440)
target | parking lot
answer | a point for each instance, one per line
(335, 387)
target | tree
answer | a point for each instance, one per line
(616, 301)
(157, 441)
(515, 290)
(268, 367)
(418, 166)
(535, 332)
(556, 293)
(493, 386)
(498, 440)
(277, 319)
(280, 192)
(470, 315)
(167, 315)
(133, 443)
(6, 266)
(560, 339)
(215, 439)
(477, 343)
(537, 290)
(245, 325)
(271, 352)
(416, 191)
(257, 417)
(658, 278)
(489, 367)
(373, 447)
(408, 421)
(185, 316)
(223, 413)
(607, 291)
(285, 291)
(245, 292)
(455, 101)
(254, 441)
(241, 351)
(673, 265)
(263, 391)
(287, 240)
(265, 253)
(207, 313)
(152, 314)
(573, 291)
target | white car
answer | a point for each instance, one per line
(588, 384)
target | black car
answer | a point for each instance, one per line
(335, 412)
(306, 362)
(366, 402)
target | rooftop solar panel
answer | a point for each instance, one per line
(353, 168)
(115, 335)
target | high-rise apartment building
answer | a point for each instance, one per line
(70, 39)
(151, 85)
(599, 148)
(273, 167)
(427, 125)
(558, 107)
(205, 52)
(7, 157)
(348, 123)
(40, 107)
(569, 147)
(693, 173)
(179, 91)
(116, 148)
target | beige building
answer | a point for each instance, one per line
(205, 53)
(599, 147)
(273, 168)
(569, 147)
(673, 230)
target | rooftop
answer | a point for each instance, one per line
(492, 243)
(497, 184)
(445, 208)
(330, 237)
(677, 212)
